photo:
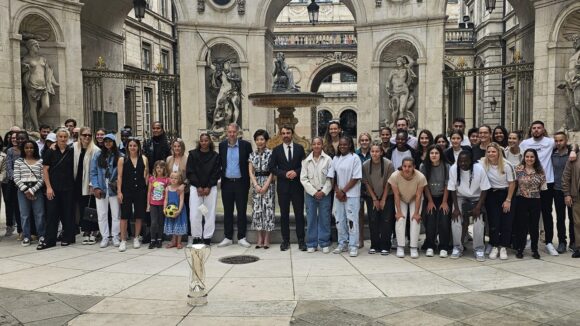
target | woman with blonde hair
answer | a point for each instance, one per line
(501, 176)
(83, 151)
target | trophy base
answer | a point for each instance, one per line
(197, 300)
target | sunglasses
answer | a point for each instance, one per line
(87, 135)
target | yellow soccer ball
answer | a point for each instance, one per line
(170, 210)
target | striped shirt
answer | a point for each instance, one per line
(26, 175)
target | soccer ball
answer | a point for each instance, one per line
(170, 210)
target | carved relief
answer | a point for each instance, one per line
(338, 57)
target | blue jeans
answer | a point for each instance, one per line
(37, 207)
(318, 221)
(346, 214)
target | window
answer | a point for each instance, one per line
(163, 8)
(165, 61)
(347, 77)
(147, 100)
(327, 79)
(146, 53)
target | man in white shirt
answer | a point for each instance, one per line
(468, 184)
(544, 146)
(44, 130)
(403, 124)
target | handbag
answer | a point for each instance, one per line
(89, 213)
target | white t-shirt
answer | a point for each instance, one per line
(500, 181)
(479, 183)
(398, 156)
(411, 141)
(347, 167)
(544, 147)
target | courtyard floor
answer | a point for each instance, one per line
(86, 285)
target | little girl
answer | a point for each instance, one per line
(156, 198)
(175, 226)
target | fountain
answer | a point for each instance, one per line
(286, 97)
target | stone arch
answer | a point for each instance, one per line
(32, 17)
(326, 69)
(223, 41)
(399, 37)
(567, 23)
(271, 9)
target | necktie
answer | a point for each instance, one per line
(289, 153)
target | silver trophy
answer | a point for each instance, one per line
(196, 257)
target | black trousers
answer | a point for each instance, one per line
(59, 209)
(547, 197)
(11, 202)
(527, 221)
(297, 200)
(235, 194)
(380, 223)
(437, 223)
(561, 217)
(500, 223)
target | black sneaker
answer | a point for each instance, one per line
(159, 243)
(152, 244)
(576, 254)
(561, 247)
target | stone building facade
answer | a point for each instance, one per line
(73, 34)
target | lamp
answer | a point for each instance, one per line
(139, 6)
(493, 104)
(313, 9)
(490, 5)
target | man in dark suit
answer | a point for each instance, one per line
(234, 154)
(286, 163)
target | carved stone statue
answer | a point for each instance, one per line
(38, 82)
(228, 100)
(283, 76)
(572, 86)
(400, 86)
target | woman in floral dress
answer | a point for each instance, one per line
(262, 189)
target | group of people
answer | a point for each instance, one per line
(491, 178)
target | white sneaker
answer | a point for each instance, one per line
(415, 253)
(116, 241)
(400, 252)
(311, 250)
(244, 243)
(353, 252)
(136, 243)
(104, 243)
(493, 253)
(551, 250)
(429, 252)
(480, 256)
(443, 253)
(325, 250)
(339, 249)
(92, 240)
(225, 242)
(456, 253)
(503, 253)
(123, 246)
(488, 249)
(189, 241)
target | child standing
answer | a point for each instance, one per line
(156, 198)
(175, 226)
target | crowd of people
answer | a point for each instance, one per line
(68, 183)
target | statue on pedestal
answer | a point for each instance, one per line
(283, 76)
(572, 85)
(38, 82)
(229, 97)
(400, 86)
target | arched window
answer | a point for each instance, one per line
(322, 119)
(348, 120)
